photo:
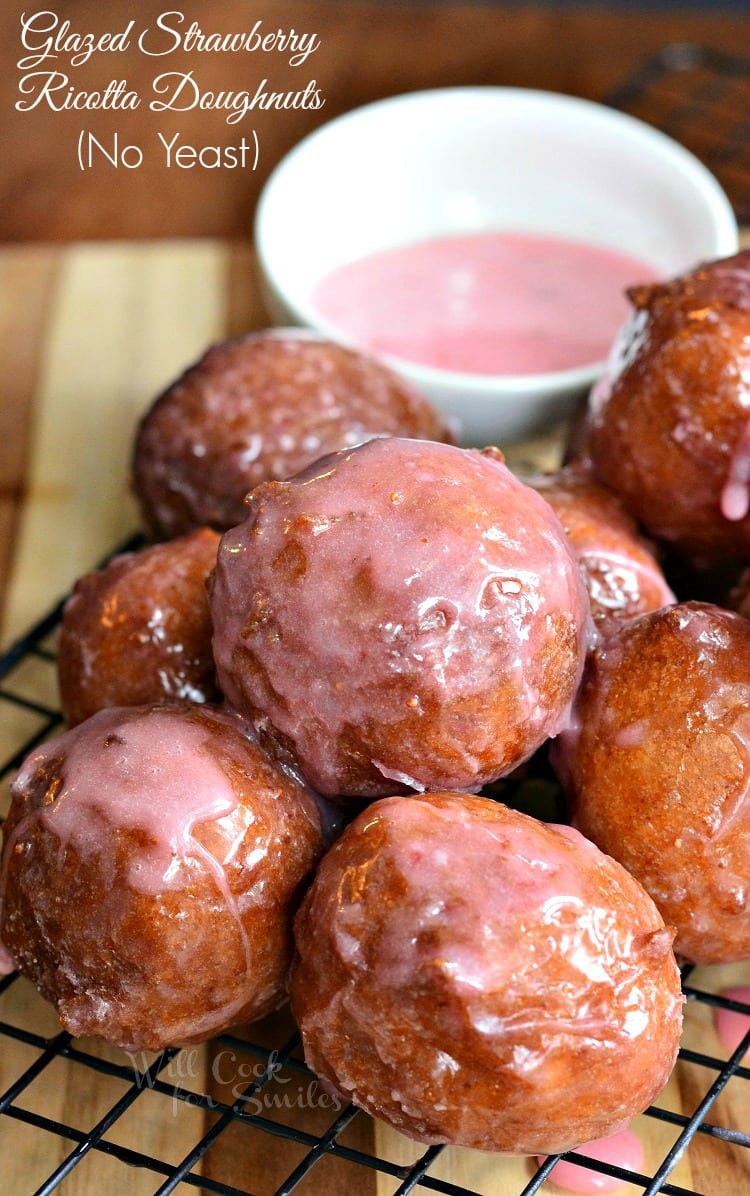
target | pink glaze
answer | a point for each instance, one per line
(7, 962)
(156, 775)
(735, 495)
(493, 970)
(180, 849)
(546, 882)
(731, 1025)
(485, 303)
(398, 562)
(634, 735)
(619, 1150)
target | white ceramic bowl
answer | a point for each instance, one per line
(463, 160)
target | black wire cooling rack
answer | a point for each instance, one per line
(701, 97)
(245, 1117)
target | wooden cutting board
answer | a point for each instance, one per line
(90, 335)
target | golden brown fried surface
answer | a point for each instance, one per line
(259, 407)
(472, 976)
(139, 630)
(658, 769)
(154, 859)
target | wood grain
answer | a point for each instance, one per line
(368, 50)
(105, 327)
(27, 282)
(123, 320)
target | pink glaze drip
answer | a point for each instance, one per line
(735, 495)
(485, 303)
(155, 775)
(7, 962)
(620, 1150)
(732, 1026)
(455, 599)
(542, 891)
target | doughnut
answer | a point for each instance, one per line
(153, 860)
(669, 421)
(402, 613)
(472, 976)
(139, 630)
(259, 407)
(657, 769)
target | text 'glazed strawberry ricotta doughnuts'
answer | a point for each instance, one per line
(472, 976)
(153, 861)
(258, 407)
(139, 630)
(657, 766)
(404, 613)
(669, 427)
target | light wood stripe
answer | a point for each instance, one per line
(94, 332)
(125, 319)
(27, 282)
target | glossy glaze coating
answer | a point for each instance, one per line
(670, 420)
(139, 630)
(401, 614)
(620, 572)
(658, 769)
(153, 860)
(258, 407)
(472, 976)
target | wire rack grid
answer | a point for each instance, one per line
(69, 1109)
(283, 1147)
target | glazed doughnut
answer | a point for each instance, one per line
(658, 769)
(139, 630)
(475, 977)
(402, 615)
(258, 407)
(153, 861)
(669, 425)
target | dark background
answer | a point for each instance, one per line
(368, 50)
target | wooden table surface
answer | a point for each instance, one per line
(91, 331)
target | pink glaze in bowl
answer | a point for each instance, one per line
(458, 161)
